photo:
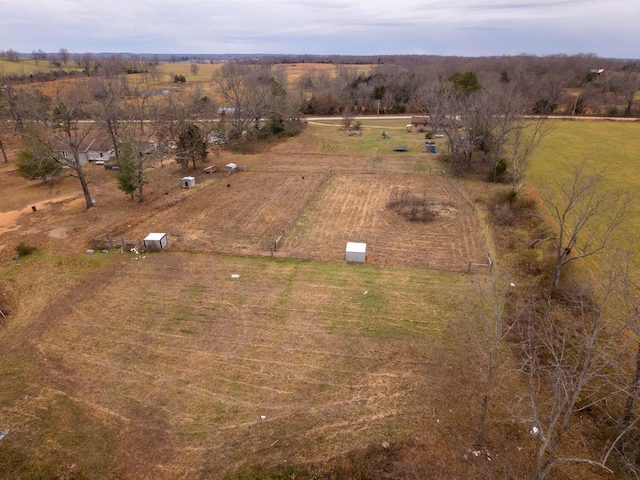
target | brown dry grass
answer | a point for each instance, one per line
(179, 377)
(115, 366)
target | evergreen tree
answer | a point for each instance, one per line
(127, 177)
(35, 160)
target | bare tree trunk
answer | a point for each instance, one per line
(112, 129)
(140, 179)
(4, 153)
(626, 418)
(85, 186)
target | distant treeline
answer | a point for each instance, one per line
(582, 84)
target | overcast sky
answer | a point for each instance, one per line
(608, 28)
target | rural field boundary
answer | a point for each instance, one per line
(107, 241)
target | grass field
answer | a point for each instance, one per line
(118, 365)
(611, 149)
(293, 362)
(28, 66)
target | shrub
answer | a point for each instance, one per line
(510, 207)
(613, 112)
(412, 207)
(497, 173)
(24, 249)
(504, 214)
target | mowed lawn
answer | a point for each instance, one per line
(167, 367)
(611, 149)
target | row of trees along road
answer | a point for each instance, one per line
(489, 100)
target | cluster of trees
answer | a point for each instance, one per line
(133, 115)
(10, 55)
(548, 84)
(560, 84)
(575, 347)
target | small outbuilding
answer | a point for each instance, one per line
(188, 182)
(231, 167)
(155, 241)
(430, 147)
(356, 252)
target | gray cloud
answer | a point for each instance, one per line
(459, 27)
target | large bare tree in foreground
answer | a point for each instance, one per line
(490, 330)
(64, 136)
(569, 351)
(585, 212)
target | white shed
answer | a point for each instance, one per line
(356, 252)
(232, 167)
(155, 241)
(188, 182)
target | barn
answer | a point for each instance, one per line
(356, 252)
(155, 241)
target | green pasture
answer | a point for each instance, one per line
(28, 67)
(331, 135)
(611, 149)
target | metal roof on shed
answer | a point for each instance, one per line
(356, 247)
(154, 237)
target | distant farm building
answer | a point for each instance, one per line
(427, 123)
(356, 252)
(188, 182)
(419, 124)
(155, 241)
(232, 167)
(90, 149)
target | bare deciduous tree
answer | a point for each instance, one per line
(565, 352)
(522, 143)
(67, 132)
(585, 213)
(108, 93)
(489, 331)
(63, 55)
(12, 55)
(347, 118)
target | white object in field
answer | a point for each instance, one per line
(356, 252)
(155, 241)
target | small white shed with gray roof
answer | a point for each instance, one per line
(155, 241)
(356, 252)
